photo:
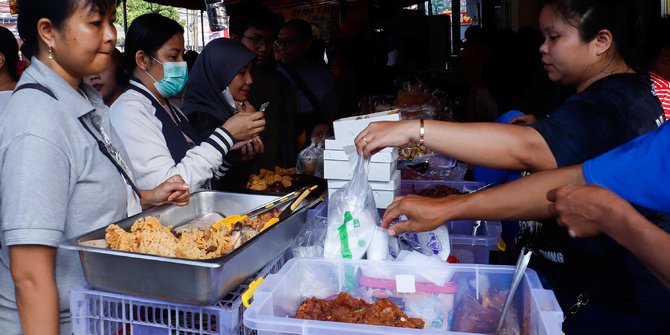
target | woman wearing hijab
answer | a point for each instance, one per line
(216, 92)
(158, 137)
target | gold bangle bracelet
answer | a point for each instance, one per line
(422, 131)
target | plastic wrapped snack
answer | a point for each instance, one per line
(310, 160)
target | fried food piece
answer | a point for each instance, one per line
(118, 238)
(256, 223)
(280, 179)
(156, 238)
(345, 308)
(147, 235)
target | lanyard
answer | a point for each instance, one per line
(108, 149)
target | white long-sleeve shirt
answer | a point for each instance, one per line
(133, 118)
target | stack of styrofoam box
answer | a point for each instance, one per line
(383, 175)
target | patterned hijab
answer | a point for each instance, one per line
(214, 69)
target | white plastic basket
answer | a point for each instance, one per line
(104, 313)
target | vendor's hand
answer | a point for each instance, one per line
(423, 214)
(246, 123)
(585, 210)
(524, 120)
(379, 135)
(174, 190)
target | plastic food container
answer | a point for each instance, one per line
(198, 282)
(474, 248)
(415, 186)
(98, 312)
(535, 310)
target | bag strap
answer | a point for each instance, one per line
(36, 86)
(101, 144)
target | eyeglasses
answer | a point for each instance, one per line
(259, 40)
(284, 42)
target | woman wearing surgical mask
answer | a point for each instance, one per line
(158, 137)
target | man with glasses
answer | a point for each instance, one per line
(313, 84)
(256, 27)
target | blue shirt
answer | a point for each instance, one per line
(638, 171)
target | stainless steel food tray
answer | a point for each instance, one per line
(198, 282)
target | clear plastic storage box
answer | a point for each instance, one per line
(408, 186)
(104, 313)
(450, 298)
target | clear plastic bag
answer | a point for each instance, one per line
(310, 239)
(310, 160)
(352, 216)
(432, 242)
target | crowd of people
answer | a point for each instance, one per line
(90, 135)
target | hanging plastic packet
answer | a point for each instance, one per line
(352, 216)
(309, 240)
(434, 242)
(310, 159)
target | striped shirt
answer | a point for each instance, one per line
(662, 91)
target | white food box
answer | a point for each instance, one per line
(342, 170)
(391, 185)
(346, 129)
(336, 144)
(380, 157)
(382, 198)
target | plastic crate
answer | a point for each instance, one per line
(104, 313)
(535, 310)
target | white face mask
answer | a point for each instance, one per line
(229, 98)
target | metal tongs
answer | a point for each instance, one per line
(521, 265)
(229, 221)
(291, 208)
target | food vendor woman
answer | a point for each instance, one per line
(590, 45)
(63, 170)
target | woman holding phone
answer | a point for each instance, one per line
(159, 138)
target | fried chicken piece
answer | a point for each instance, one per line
(118, 238)
(256, 223)
(147, 235)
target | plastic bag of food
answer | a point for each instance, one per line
(432, 242)
(310, 239)
(310, 160)
(352, 216)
